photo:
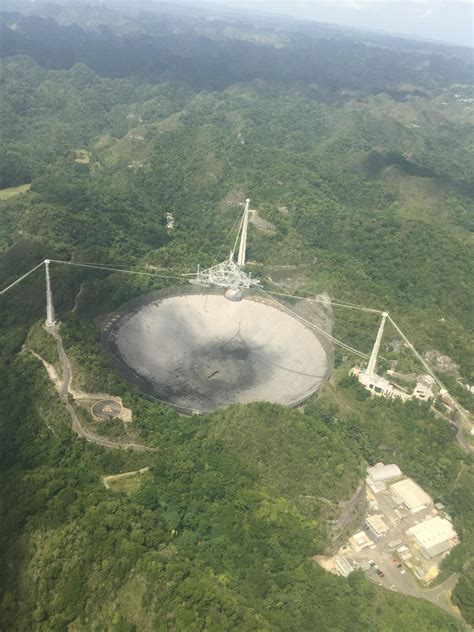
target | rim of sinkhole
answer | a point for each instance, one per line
(197, 351)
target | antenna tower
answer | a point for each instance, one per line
(229, 274)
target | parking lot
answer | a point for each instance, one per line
(389, 555)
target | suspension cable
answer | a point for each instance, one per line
(228, 235)
(319, 329)
(425, 365)
(430, 371)
(268, 294)
(327, 302)
(226, 239)
(114, 269)
(21, 278)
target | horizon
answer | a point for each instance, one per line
(440, 21)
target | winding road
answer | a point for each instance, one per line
(438, 595)
(77, 427)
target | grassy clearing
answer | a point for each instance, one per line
(6, 194)
(169, 124)
(126, 483)
(132, 145)
(420, 198)
(138, 143)
(83, 157)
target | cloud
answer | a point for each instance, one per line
(364, 4)
(442, 20)
(425, 15)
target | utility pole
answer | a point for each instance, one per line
(372, 365)
(50, 320)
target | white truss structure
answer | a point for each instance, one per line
(229, 274)
(226, 274)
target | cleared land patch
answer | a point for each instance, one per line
(6, 194)
(420, 198)
(83, 156)
(128, 482)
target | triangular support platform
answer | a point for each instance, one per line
(226, 274)
(229, 274)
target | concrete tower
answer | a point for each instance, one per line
(372, 364)
(50, 320)
(243, 237)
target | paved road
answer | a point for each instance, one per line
(460, 437)
(395, 579)
(404, 583)
(77, 427)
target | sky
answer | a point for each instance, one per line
(443, 20)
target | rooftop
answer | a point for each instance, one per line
(360, 540)
(425, 380)
(377, 524)
(382, 472)
(411, 494)
(343, 566)
(433, 531)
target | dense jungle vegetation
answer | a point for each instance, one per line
(356, 150)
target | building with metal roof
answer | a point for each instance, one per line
(434, 536)
(376, 526)
(380, 473)
(343, 567)
(424, 387)
(360, 541)
(410, 494)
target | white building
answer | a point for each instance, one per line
(360, 541)
(342, 566)
(378, 385)
(408, 493)
(375, 383)
(424, 387)
(380, 473)
(434, 536)
(376, 526)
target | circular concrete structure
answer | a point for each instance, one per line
(198, 352)
(106, 409)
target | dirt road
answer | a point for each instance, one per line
(64, 391)
(117, 477)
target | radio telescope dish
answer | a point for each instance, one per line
(199, 352)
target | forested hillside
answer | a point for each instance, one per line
(357, 151)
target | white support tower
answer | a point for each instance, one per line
(372, 364)
(50, 320)
(243, 237)
(228, 274)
